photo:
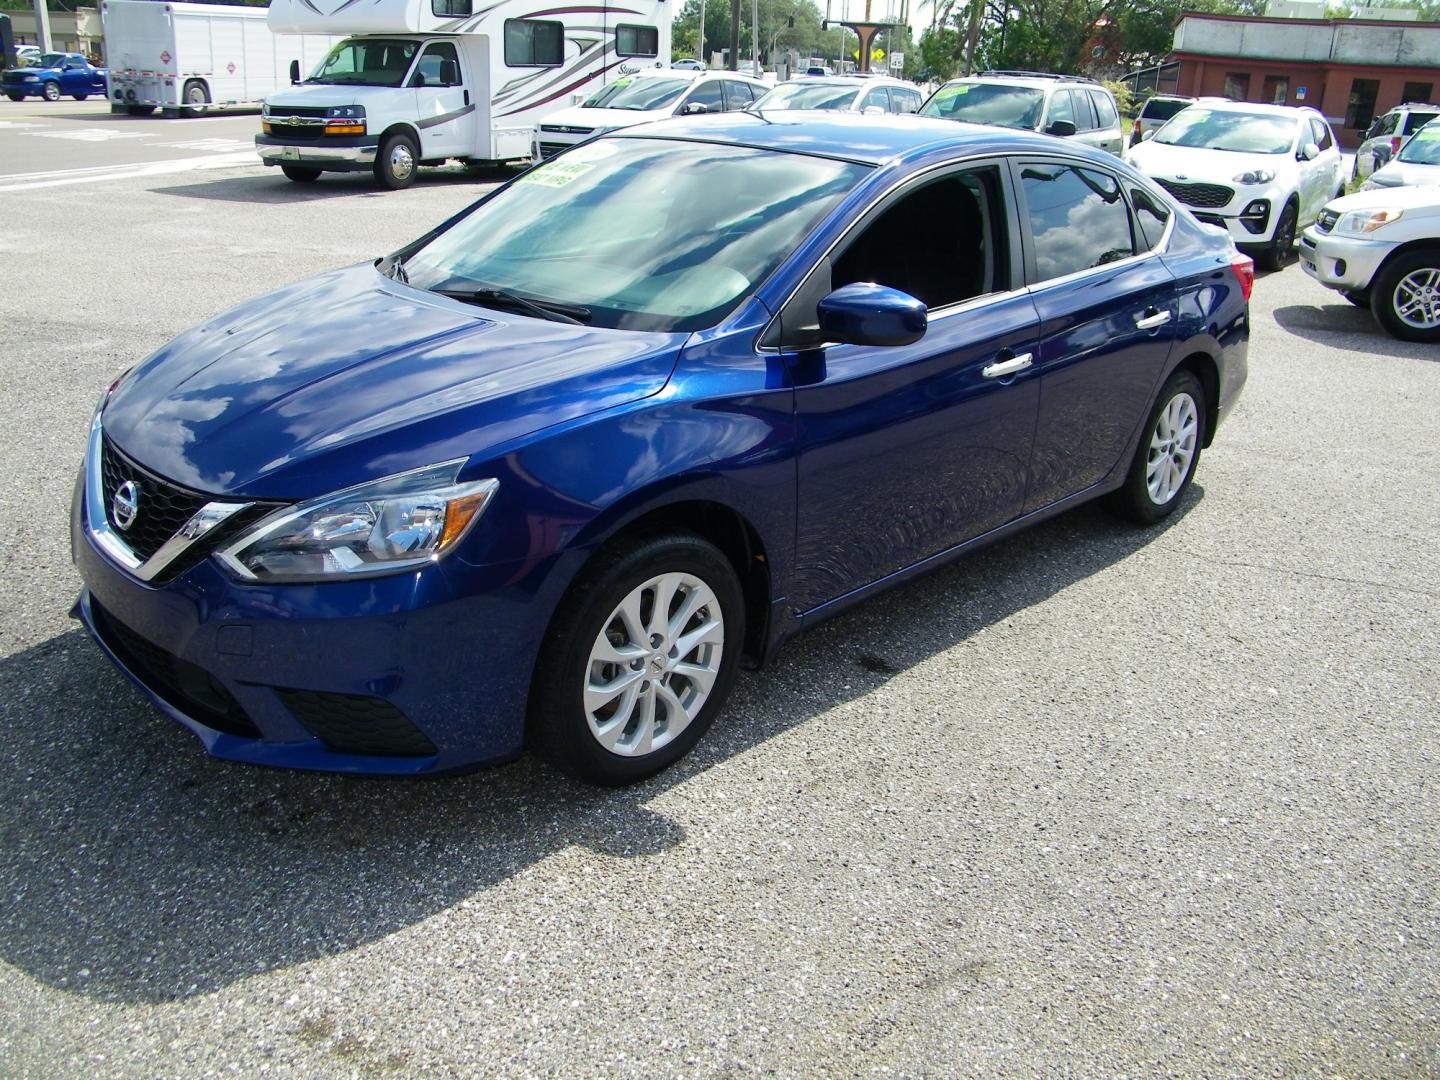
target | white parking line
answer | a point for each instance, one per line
(30, 181)
(89, 134)
(215, 146)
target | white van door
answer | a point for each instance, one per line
(444, 103)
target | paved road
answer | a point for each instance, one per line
(1098, 801)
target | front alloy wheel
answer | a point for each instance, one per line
(1283, 246)
(51, 91)
(1406, 296)
(639, 658)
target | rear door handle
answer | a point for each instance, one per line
(1150, 322)
(1001, 368)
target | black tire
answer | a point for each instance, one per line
(196, 97)
(1282, 248)
(140, 110)
(1133, 500)
(16, 97)
(50, 91)
(301, 174)
(1388, 282)
(559, 726)
(79, 97)
(397, 161)
(1360, 298)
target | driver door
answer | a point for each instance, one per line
(444, 104)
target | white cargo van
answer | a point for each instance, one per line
(189, 57)
(420, 82)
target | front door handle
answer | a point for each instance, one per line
(1001, 368)
(1150, 322)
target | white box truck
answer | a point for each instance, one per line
(420, 82)
(185, 58)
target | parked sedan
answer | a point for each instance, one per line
(1260, 172)
(547, 475)
(56, 74)
(842, 93)
(1416, 165)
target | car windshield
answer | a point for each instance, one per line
(1423, 147)
(52, 59)
(647, 234)
(802, 95)
(638, 95)
(368, 62)
(987, 103)
(1241, 132)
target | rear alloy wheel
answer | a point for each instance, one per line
(640, 658)
(1283, 246)
(1406, 296)
(1169, 451)
(301, 174)
(51, 91)
(396, 162)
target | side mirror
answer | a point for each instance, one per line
(1309, 152)
(449, 73)
(1148, 133)
(294, 72)
(1063, 128)
(693, 108)
(868, 314)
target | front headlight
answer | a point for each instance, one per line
(32, 78)
(1254, 176)
(1359, 222)
(401, 522)
(346, 110)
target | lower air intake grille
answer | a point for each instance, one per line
(550, 149)
(355, 724)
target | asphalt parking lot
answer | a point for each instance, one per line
(1097, 801)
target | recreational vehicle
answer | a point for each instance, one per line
(187, 58)
(420, 82)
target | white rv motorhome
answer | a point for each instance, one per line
(190, 57)
(419, 82)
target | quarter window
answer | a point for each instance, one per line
(637, 41)
(1078, 219)
(1151, 215)
(534, 43)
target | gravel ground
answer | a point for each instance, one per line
(1096, 801)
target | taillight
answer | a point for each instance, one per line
(1243, 267)
(1136, 129)
(1395, 144)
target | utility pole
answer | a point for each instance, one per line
(734, 64)
(700, 53)
(756, 66)
(42, 26)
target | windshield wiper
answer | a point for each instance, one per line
(541, 309)
(393, 267)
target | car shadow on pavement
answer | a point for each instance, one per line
(136, 869)
(1333, 324)
(272, 187)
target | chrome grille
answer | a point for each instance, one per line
(164, 507)
(1326, 221)
(1212, 196)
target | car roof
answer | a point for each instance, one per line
(872, 140)
(856, 81)
(1292, 112)
(1035, 82)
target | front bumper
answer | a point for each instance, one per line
(35, 89)
(409, 674)
(347, 154)
(1341, 262)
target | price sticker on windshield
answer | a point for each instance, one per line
(945, 93)
(556, 174)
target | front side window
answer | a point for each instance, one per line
(534, 43)
(637, 95)
(709, 95)
(637, 41)
(877, 98)
(1060, 109)
(1078, 219)
(987, 103)
(439, 66)
(1320, 134)
(366, 62)
(644, 234)
(940, 243)
(1229, 129)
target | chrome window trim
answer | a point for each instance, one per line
(97, 522)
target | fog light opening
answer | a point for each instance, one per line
(1339, 267)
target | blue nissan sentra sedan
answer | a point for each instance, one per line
(546, 476)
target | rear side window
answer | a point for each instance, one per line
(1084, 111)
(1078, 219)
(1416, 120)
(637, 40)
(534, 43)
(1104, 108)
(738, 95)
(906, 101)
(1159, 109)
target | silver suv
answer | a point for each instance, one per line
(1387, 133)
(1064, 105)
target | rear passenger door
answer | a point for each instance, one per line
(1107, 309)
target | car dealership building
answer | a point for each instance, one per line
(1352, 70)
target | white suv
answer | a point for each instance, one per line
(1063, 105)
(1382, 249)
(1260, 172)
(638, 99)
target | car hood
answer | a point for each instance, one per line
(351, 376)
(576, 116)
(1202, 165)
(1406, 174)
(326, 94)
(30, 71)
(1418, 201)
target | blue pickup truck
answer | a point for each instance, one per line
(56, 74)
